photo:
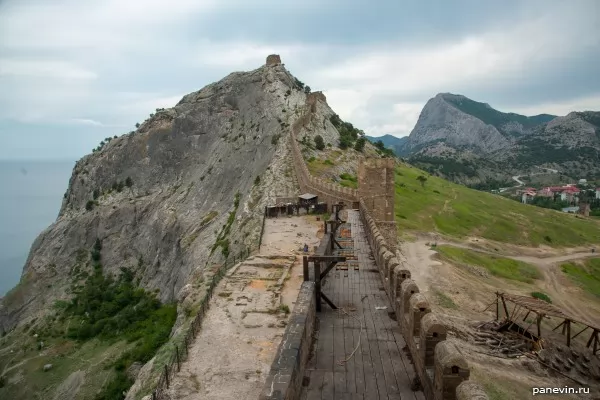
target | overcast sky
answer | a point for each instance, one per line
(73, 72)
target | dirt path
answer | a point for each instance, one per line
(564, 293)
(539, 261)
(231, 356)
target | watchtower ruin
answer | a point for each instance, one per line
(376, 178)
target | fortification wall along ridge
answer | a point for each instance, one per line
(440, 366)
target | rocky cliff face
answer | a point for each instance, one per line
(440, 121)
(157, 198)
(470, 142)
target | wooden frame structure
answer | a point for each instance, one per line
(330, 262)
(543, 309)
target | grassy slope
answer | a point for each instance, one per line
(457, 211)
(585, 274)
(498, 266)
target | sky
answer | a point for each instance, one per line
(74, 72)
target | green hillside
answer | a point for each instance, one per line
(457, 211)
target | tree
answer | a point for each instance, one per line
(307, 89)
(128, 182)
(319, 143)
(422, 180)
(137, 124)
(360, 144)
(379, 144)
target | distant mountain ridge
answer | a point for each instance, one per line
(471, 142)
(391, 142)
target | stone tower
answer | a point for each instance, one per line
(273, 59)
(376, 187)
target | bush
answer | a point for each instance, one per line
(257, 180)
(275, 139)
(307, 89)
(128, 182)
(360, 144)
(89, 206)
(319, 143)
(541, 296)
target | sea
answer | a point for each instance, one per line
(31, 194)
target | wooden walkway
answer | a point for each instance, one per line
(380, 368)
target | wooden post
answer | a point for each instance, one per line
(538, 323)
(325, 227)
(167, 375)
(317, 265)
(497, 307)
(504, 305)
(305, 268)
(568, 333)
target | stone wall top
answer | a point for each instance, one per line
(447, 355)
(431, 323)
(469, 390)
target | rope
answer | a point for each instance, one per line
(342, 362)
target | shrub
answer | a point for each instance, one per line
(541, 296)
(95, 194)
(89, 206)
(319, 143)
(128, 182)
(257, 180)
(137, 124)
(360, 144)
(307, 89)
(275, 139)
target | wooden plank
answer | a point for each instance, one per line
(371, 331)
(316, 381)
(313, 395)
(369, 372)
(350, 325)
(327, 389)
(358, 334)
(380, 358)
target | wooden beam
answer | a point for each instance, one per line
(497, 307)
(329, 267)
(326, 258)
(539, 327)
(504, 305)
(580, 332)
(568, 324)
(558, 326)
(596, 342)
(305, 268)
(336, 242)
(317, 267)
(593, 339)
(526, 315)
(328, 301)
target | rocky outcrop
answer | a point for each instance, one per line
(156, 198)
(470, 142)
(441, 121)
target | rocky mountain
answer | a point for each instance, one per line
(155, 212)
(158, 199)
(472, 143)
